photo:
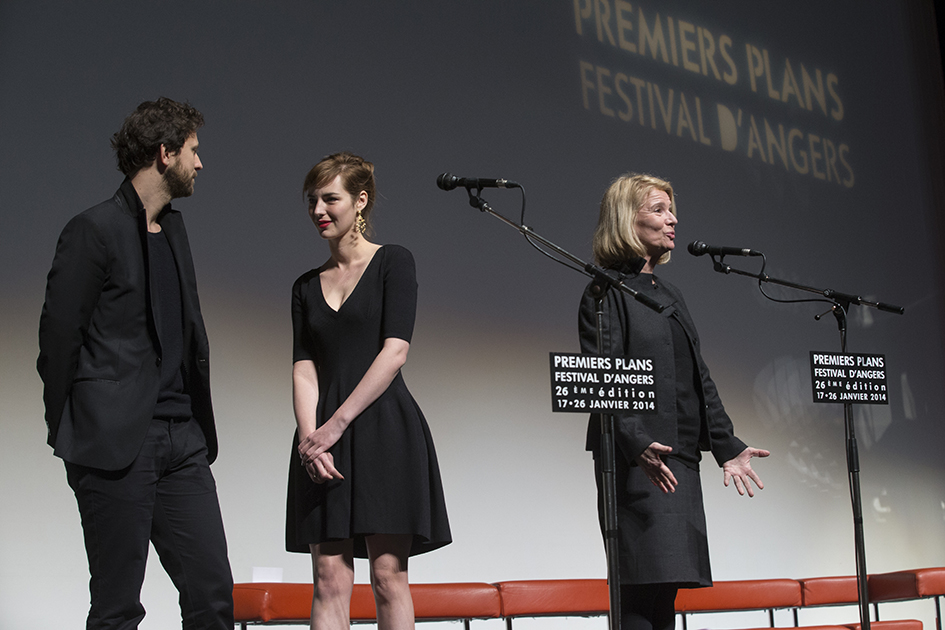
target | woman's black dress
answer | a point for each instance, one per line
(391, 479)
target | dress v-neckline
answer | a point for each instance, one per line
(321, 289)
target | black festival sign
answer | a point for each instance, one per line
(602, 384)
(841, 377)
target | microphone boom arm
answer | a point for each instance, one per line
(589, 269)
(843, 299)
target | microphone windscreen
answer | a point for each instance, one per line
(446, 181)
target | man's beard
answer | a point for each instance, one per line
(178, 183)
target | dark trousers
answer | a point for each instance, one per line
(167, 496)
(647, 606)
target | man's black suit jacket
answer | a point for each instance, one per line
(100, 354)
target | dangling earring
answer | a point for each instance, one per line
(360, 224)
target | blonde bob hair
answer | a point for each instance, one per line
(615, 239)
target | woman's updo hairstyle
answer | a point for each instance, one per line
(357, 174)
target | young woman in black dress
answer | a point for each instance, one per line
(363, 479)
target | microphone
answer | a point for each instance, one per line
(447, 181)
(698, 248)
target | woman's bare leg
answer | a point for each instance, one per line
(387, 554)
(333, 576)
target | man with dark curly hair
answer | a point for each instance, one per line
(125, 363)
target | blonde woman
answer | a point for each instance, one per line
(660, 516)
